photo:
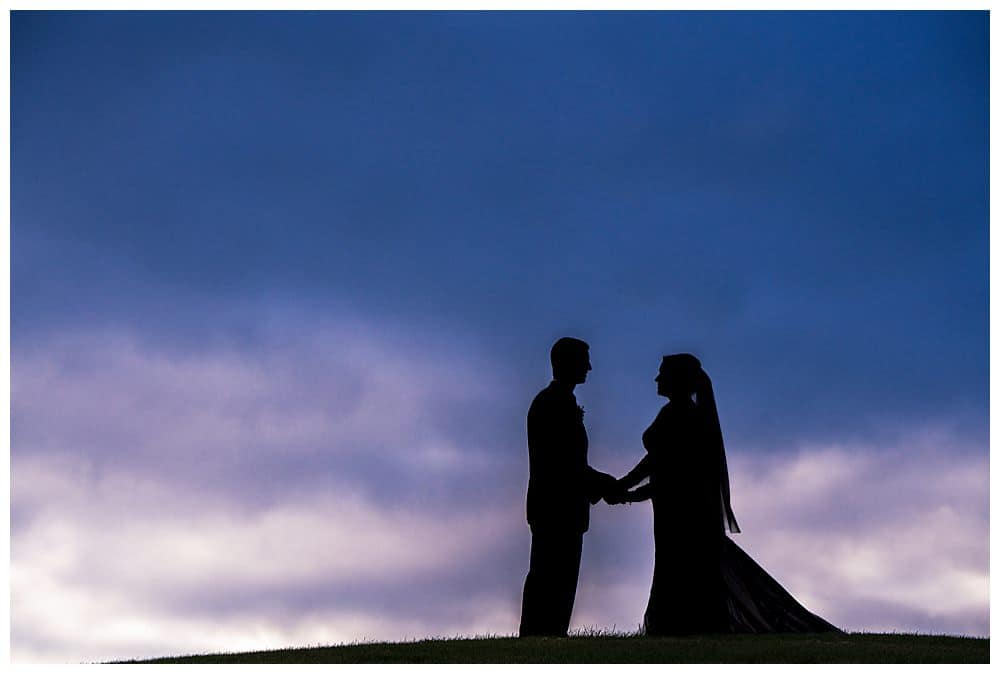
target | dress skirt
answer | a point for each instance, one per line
(706, 584)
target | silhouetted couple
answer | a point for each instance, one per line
(702, 582)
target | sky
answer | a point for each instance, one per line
(284, 285)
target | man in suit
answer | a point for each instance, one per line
(561, 489)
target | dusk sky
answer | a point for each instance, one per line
(284, 285)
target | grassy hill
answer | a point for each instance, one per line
(620, 648)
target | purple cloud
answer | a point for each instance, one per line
(327, 489)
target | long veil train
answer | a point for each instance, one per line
(757, 602)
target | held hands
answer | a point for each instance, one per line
(618, 494)
(615, 497)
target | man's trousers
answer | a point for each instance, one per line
(550, 587)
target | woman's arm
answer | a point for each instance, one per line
(619, 493)
(637, 474)
(642, 493)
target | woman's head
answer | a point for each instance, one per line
(679, 377)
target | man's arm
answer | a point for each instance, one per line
(599, 484)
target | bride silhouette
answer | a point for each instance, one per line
(702, 581)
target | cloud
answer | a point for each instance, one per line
(865, 527)
(334, 408)
(102, 564)
(356, 483)
(331, 474)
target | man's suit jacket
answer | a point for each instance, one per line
(561, 486)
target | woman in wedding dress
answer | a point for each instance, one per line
(702, 581)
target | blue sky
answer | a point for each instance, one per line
(339, 246)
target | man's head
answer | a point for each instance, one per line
(570, 360)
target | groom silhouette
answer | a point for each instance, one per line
(561, 489)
